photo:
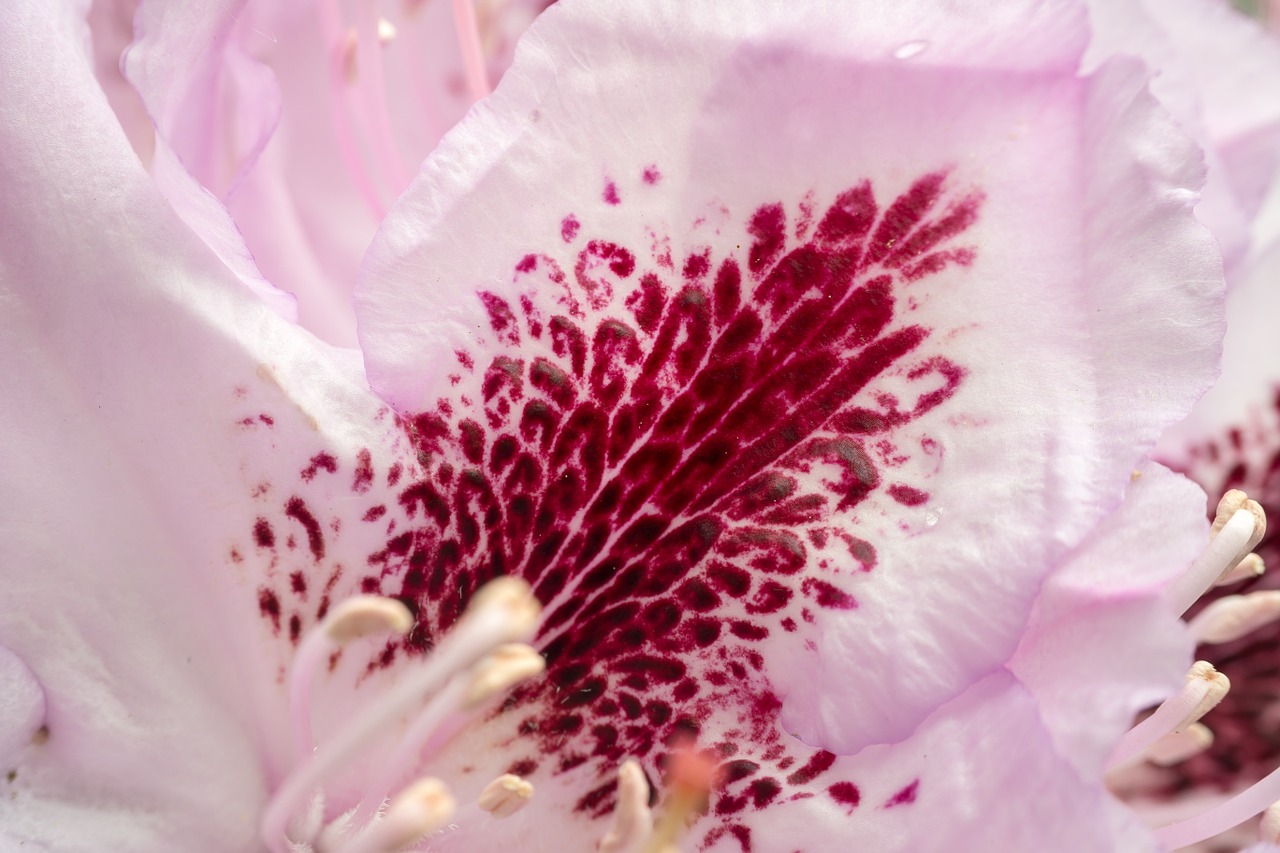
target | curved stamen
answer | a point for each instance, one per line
(464, 18)
(341, 69)
(375, 111)
(632, 823)
(1231, 617)
(1176, 747)
(1224, 816)
(1250, 568)
(356, 617)
(419, 810)
(504, 611)
(1203, 689)
(1225, 550)
(448, 713)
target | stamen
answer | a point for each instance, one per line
(505, 795)
(1250, 568)
(502, 612)
(506, 667)
(356, 617)
(1233, 616)
(464, 19)
(1224, 816)
(1234, 501)
(386, 32)
(1176, 747)
(1203, 689)
(1269, 827)
(449, 711)
(632, 823)
(372, 107)
(1228, 547)
(691, 778)
(419, 810)
(342, 68)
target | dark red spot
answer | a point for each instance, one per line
(263, 534)
(845, 793)
(296, 509)
(269, 606)
(363, 478)
(611, 193)
(818, 764)
(651, 175)
(908, 495)
(904, 797)
(569, 228)
(298, 583)
(320, 462)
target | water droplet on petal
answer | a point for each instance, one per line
(910, 49)
(932, 517)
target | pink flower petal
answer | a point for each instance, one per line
(1210, 59)
(1017, 327)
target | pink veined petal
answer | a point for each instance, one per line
(1209, 59)
(595, 202)
(199, 148)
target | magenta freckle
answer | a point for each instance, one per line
(651, 175)
(908, 495)
(298, 582)
(263, 535)
(295, 628)
(904, 797)
(267, 419)
(763, 791)
(501, 318)
(269, 607)
(375, 512)
(818, 764)
(845, 793)
(568, 229)
(827, 595)
(363, 478)
(696, 266)
(320, 462)
(768, 228)
(611, 193)
(296, 509)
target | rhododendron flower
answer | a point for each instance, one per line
(801, 364)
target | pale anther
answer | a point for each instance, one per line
(1217, 687)
(347, 52)
(365, 615)
(1233, 616)
(1250, 568)
(419, 810)
(1203, 689)
(505, 795)
(511, 600)
(386, 32)
(1177, 747)
(506, 667)
(632, 822)
(1235, 501)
